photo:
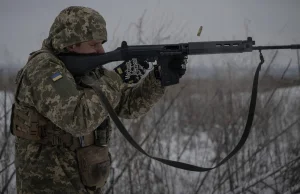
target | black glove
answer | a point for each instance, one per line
(132, 71)
(177, 64)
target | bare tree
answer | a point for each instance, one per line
(6, 153)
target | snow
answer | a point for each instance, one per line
(200, 147)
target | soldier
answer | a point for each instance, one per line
(62, 130)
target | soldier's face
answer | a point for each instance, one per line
(88, 47)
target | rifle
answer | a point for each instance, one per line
(80, 64)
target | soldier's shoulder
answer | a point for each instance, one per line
(41, 62)
(43, 58)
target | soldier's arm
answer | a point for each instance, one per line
(55, 95)
(138, 100)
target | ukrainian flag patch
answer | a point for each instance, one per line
(56, 76)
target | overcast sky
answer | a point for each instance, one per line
(25, 23)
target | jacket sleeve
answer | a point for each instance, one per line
(55, 95)
(138, 100)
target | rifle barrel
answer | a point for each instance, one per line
(293, 46)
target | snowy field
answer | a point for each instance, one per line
(202, 148)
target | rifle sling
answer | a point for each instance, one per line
(182, 165)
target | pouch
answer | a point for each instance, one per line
(94, 165)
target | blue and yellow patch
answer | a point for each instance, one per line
(56, 76)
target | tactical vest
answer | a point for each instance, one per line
(31, 125)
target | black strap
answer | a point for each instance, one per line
(182, 165)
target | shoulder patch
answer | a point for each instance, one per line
(56, 76)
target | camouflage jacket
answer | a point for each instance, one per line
(77, 111)
(48, 88)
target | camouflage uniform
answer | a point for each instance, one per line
(46, 168)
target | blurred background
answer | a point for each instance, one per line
(199, 120)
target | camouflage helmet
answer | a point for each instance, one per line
(76, 24)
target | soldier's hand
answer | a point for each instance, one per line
(132, 71)
(178, 64)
